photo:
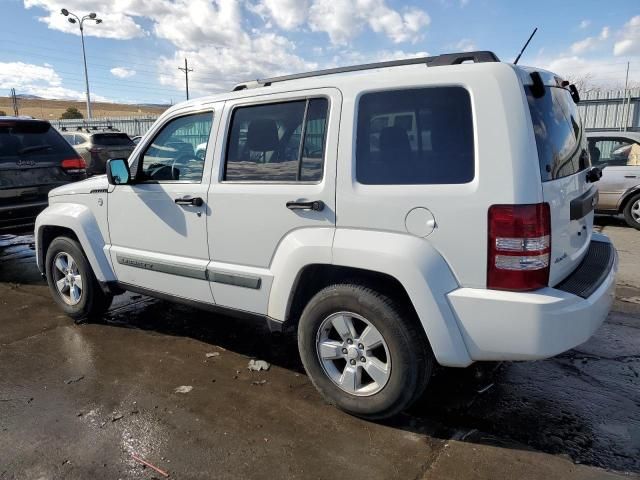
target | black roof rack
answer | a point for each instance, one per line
(480, 56)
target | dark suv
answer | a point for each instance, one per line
(97, 145)
(34, 158)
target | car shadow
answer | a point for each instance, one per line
(584, 404)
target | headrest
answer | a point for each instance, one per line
(394, 140)
(262, 135)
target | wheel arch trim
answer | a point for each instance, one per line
(80, 220)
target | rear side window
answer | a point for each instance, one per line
(279, 142)
(32, 142)
(112, 139)
(559, 136)
(416, 136)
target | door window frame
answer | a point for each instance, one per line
(139, 157)
(259, 101)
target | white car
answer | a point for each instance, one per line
(396, 215)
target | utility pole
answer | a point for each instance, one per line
(186, 71)
(14, 101)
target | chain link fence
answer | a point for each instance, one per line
(132, 126)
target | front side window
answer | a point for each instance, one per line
(279, 142)
(178, 150)
(614, 152)
(416, 136)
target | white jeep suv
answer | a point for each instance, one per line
(398, 215)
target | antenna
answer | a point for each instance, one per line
(525, 46)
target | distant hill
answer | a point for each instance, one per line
(52, 109)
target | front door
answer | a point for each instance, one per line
(158, 224)
(275, 182)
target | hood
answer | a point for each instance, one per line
(99, 182)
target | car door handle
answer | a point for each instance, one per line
(316, 205)
(189, 200)
(630, 176)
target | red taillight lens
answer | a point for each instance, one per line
(70, 164)
(519, 247)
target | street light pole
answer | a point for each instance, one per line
(73, 18)
(86, 75)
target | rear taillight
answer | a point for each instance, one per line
(73, 165)
(519, 247)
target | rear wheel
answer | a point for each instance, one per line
(632, 212)
(363, 351)
(72, 282)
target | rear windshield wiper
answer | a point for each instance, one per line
(33, 149)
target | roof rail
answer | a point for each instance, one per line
(436, 61)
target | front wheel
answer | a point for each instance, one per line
(363, 351)
(632, 212)
(72, 282)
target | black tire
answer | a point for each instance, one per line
(628, 217)
(93, 300)
(411, 357)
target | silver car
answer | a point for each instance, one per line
(618, 155)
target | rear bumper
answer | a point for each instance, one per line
(499, 325)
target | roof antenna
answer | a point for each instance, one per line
(525, 46)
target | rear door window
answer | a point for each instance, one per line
(415, 136)
(559, 135)
(29, 142)
(112, 139)
(278, 142)
(614, 151)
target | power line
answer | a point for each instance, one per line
(186, 71)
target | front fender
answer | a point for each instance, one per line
(424, 274)
(82, 222)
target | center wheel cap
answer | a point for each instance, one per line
(353, 352)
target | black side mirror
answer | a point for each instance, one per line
(593, 175)
(574, 93)
(118, 172)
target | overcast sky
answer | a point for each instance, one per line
(134, 54)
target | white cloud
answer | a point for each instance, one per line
(40, 80)
(287, 14)
(629, 43)
(465, 45)
(122, 72)
(590, 43)
(342, 20)
(584, 24)
(218, 68)
(599, 72)
(116, 23)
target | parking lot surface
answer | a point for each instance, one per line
(78, 401)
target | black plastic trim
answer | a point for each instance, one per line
(582, 205)
(273, 324)
(592, 271)
(480, 56)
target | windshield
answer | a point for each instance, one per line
(112, 139)
(29, 142)
(562, 148)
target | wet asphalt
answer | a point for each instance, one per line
(78, 401)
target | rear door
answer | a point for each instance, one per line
(620, 170)
(564, 160)
(31, 155)
(274, 175)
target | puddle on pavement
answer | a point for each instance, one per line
(584, 404)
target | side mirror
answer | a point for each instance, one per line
(118, 171)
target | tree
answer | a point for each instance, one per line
(71, 112)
